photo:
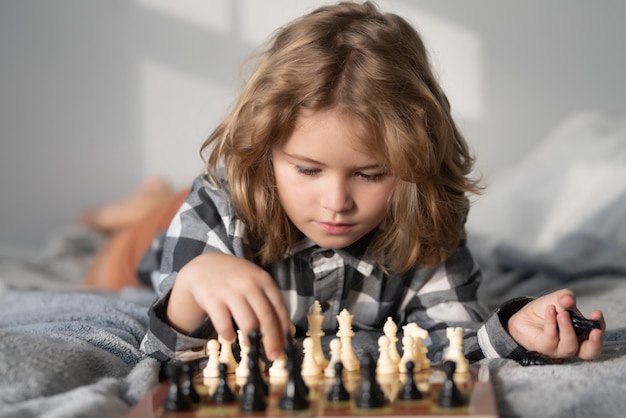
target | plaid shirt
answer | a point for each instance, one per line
(434, 298)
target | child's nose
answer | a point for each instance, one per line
(336, 196)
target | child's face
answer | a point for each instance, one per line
(331, 188)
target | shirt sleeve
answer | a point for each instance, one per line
(205, 223)
(446, 296)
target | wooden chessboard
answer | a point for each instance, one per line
(476, 387)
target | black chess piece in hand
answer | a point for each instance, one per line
(583, 326)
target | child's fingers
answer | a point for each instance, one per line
(598, 316)
(268, 322)
(276, 299)
(568, 340)
(591, 347)
(222, 318)
(550, 328)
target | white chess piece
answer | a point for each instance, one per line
(226, 354)
(420, 350)
(212, 366)
(242, 370)
(345, 333)
(279, 366)
(408, 353)
(421, 355)
(278, 369)
(455, 349)
(390, 329)
(335, 357)
(415, 330)
(309, 364)
(385, 364)
(315, 319)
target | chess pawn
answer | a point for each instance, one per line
(212, 366)
(244, 349)
(278, 369)
(345, 333)
(410, 391)
(338, 391)
(408, 353)
(295, 394)
(310, 367)
(175, 399)
(223, 393)
(450, 395)
(335, 357)
(390, 329)
(315, 319)
(369, 394)
(385, 365)
(226, 354)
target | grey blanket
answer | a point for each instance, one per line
(71, 354)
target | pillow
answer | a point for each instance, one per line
(561, 208)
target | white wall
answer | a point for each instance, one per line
(95, 95)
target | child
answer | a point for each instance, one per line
(338, 176)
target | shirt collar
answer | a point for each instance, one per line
(356, 252)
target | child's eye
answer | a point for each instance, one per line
(308, 171)
(371, 177)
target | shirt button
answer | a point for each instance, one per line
(328, 253)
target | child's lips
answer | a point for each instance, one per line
(335, 227)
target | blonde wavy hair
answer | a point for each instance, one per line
(373, 67)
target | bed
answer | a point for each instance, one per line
(555, 219)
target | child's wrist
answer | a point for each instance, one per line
(507, 310)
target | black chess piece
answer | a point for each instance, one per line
(295, 394)
(370, 395)
(223, 393)
(338, 391)
(410, 391)
(188, 387)
(582, 326)
(254, 339)
(450, 396)
(175, 399)
(534, 358)
(253, 394)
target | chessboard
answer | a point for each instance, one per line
(304, 382)
(475, 387)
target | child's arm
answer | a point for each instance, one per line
(448, 298)
(229, 288)
(201, 267)
(544, 325)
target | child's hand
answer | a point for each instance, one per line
(543, 325)
(228, 289)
